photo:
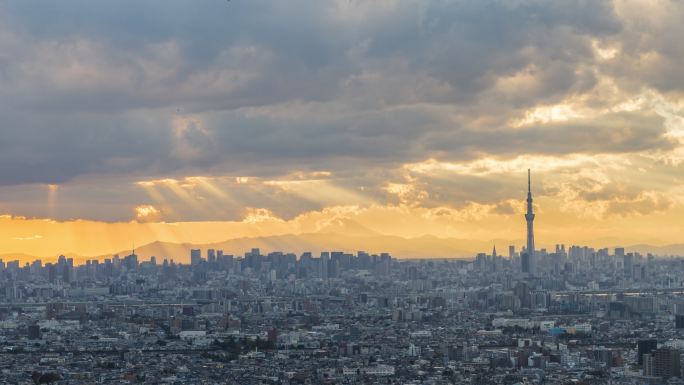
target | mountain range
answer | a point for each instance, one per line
(421, 247)
(338, 235)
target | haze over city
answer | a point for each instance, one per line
(124, 123)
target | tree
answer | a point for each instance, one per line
(45, 378)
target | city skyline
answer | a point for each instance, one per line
(528, 258)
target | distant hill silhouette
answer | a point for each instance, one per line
(421, 247)
(326, 239)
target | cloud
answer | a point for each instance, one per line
(202, 111)
(643, 204)
(147, 213)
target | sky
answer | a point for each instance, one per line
(124, 122)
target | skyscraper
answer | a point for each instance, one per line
(195, 257)
(663, 363)
(531, 265)
(645, 347)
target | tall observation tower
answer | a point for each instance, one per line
(529, 217)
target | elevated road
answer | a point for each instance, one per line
(670, 290)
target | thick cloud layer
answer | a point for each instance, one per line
(96, 97)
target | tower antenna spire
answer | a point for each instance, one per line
(530, 266)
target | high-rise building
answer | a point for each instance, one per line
(522, 291)
(628, 264)
(679, 321)
(531, 266)
(663, 362)
(195, 257)
(131, 261)
(645, 347)
(525, 262)
(324, 262)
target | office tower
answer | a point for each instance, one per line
(481, 261)
(195, 257)
(51, 272)
(531, 266)
(679, 321)
(525, 262)
(645, 347)
(211, 255)
(664, 362)
(66, 273)
(131, 261)
(522, 291)
(324, 262)
(628, 264)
